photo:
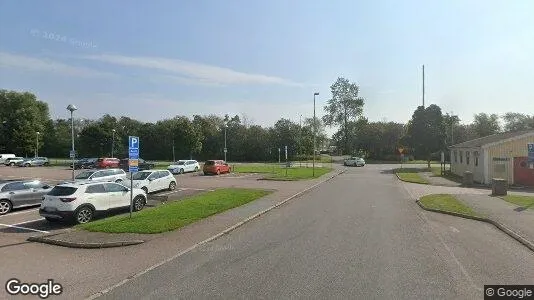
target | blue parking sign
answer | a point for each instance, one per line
(531, 152)
(133, 142)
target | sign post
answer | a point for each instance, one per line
(133, 164)
(530, 160)
(286, 160)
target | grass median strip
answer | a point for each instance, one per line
(446, 202)
(275, 172)
(177, 214)
(522, 201)
(410, 175)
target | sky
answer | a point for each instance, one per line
(152, 60)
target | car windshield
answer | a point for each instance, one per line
(84, 175)
(62, 191)
(141, 175)
(179, 163)
(210, 163)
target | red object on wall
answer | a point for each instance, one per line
(523, 173)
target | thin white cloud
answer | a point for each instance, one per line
(192, 72)
(27, 63)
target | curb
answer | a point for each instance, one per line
(499, 226)
(48, 240)
(214, 237)
(410, 181)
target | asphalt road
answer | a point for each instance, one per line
(360, 236)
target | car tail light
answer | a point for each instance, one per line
(67, 199)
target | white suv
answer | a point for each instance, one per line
(82, 201)
(154, 180)
(184, 166)
(115, 175)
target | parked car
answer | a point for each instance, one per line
(153, 181)
(84, 163)
(109, 175)
(5, 156)
(142, 164)
(107, 162)
(81, 202)
(216, 167)
(33, 162)
(21, 193)
(354, 161)
(11, 161)
(184, 166)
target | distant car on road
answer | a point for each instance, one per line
(142, 164)
(33, 162)
(184, 166)
(5, 156)
(216, 167)
(84, 163)
(81, 202)
(21, 193)
(154, 180)
(114, 175)
(354, 161)
(11, 161)
(106, 163)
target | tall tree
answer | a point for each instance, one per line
(344, 106)
(484, 124)
(517, 121)
(426, 133)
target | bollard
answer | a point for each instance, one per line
(468, 178)
(499, 187)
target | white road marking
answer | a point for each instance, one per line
(454, 229)
(25, 222)
(20, 212)
(24, 228)
(214, 237)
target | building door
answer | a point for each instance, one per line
(523, 171)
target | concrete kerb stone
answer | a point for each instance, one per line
(47, 239)
(499, 226)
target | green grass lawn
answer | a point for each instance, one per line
(410, 175)
(522, 201)
(448, 203)
(276, 172)
(174, 215)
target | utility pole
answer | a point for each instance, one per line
(173, 157)
(314, 133)
(423, 86)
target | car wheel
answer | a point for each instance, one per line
(145, 189)
(5, 207)
(46, 164)
(52, 220)
(218, 172)
(181, 171)
(138, 203)
(26, 165)
(172, 186)
(84, 215)
(11, 164)
(205, 173)
(196, 169)
(119, 181)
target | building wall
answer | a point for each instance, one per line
(459, 166)
(500, 157)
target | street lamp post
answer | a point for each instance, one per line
(112, 142)
(72, 108)
(37, 144)
(225, 149)
(300, 141)
(314, 133)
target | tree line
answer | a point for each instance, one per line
(203, 136)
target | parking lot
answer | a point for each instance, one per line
(18, 225)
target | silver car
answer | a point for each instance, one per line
(115, 175)
(21, 193)
(33, 162)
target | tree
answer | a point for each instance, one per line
(426, 133)
(484, 124)
(21, 117)
(517, 121)
(343, 107)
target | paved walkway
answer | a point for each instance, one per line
(518, 220)
(437, 180)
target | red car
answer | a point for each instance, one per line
(107, 162)
(216, 167)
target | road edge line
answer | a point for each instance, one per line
(214, 237)
(498, 225)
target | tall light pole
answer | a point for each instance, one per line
(300, 139)
(37, 144)
(314, 94)
(112, 142)
(225, 149)
(72, 108)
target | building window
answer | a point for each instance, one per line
(455, 156)
(467, 156)
(461, 157)
(476, 158)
